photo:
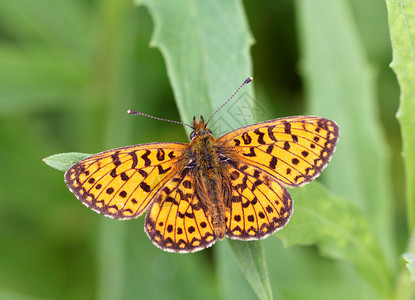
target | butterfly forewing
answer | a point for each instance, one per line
(259, 204)
(176, 221)
(121, 183)
(294, 150)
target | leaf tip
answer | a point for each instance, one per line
(63, 161)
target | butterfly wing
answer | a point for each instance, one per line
(176, 220)
(294, 150)
(120, 183)
(259, 204)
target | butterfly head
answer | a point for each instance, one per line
(200, 129)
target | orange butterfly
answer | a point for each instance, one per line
(232, 186)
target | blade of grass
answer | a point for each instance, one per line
(401, 15)
(250, 256)
(112, 240)
(232, 282)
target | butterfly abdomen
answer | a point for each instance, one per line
(208, 178)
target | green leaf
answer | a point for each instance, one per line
(206, 48)
(232, 283)
(63, 161)
(339, 229)
(402, 32)
(250, 256)
(340, 85)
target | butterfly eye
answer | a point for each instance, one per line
(192, 135)
(209, 131)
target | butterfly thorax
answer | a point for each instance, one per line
(208, 174)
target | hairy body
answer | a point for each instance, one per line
(205, 160)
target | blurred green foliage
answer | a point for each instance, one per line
(69, 70)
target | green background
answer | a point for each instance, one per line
(70, 69)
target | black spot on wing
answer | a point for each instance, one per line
(287, 127)
(295, 138)
(187, 184)
(247, 138)
(145, 187)
(147, 161)
(124, 176)
(135, 159)
(260, 136)
(161, 170)
(142, 172)
(273, 163)
(171, 154)
(115, 158)
(271, 133)
(160, 154)
(251, 152)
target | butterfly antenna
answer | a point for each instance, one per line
(133, 112)
(248, 80)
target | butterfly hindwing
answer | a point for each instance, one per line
(176, 221)
(120, 183)
(294, 150)
(259, 204)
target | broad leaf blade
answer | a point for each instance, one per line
(339, 229)
(63, 161)
(340, 85)
(206, 48)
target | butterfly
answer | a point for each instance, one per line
(233, 186)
